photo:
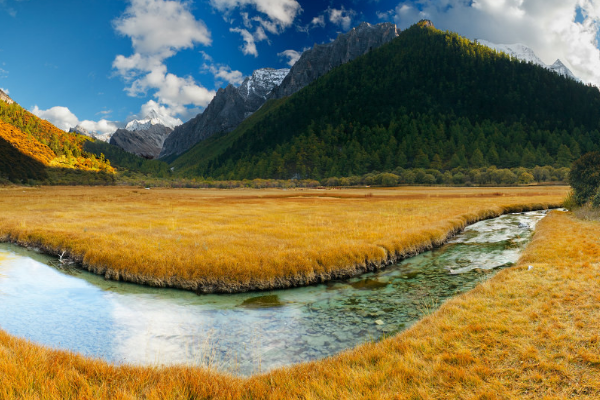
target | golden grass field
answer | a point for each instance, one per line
(523, 334)
(236, 240)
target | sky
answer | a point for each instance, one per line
(102, 63)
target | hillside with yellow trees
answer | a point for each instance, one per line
(32, 149)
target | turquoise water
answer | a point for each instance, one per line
(249, 332)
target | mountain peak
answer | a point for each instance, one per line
(319, 60)
(153, 114)
(153, 118)
(425, 23)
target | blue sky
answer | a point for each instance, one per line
(101, 63)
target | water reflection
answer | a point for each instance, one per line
(251, 332)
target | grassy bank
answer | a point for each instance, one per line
(228, 241)
(526, 333)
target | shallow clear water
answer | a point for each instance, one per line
(249, 332)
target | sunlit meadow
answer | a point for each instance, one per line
(219, 240)
(529, 332)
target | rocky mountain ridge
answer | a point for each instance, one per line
(227, 110)
(322, 58)
(146, 143)
(232, 105)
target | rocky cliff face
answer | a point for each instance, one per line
(145, 143)
(322, 58)
(4, 97)
(228, 108)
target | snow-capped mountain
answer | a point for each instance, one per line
(262, 82)
(524, 53)
(105, 137)
(229, 107)
(561, 69)
(153, 118)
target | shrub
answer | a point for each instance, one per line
(388, 179)
(569, 203)
(584, 177)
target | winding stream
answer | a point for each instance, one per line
(249, 332)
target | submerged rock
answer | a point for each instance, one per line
(368, 284)
(262, 302)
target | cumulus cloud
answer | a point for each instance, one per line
(275, 16)
(249, 46)
(280, 12)
(101, 127)
(161, 27)
(549, 27)
(158, 29)
(385, 15)
(4, 90)
(164, 112)
(341, 17)
(224, 73)
(318, 21)
(64, 119)
(291, 55)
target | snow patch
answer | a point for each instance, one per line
(524, 53)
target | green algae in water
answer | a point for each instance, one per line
(268, 301)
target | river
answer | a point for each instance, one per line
(249, 332)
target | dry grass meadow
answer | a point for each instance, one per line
(527, 333)
(236, 240)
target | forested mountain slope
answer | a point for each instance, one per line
(31, 146)
(427, 99)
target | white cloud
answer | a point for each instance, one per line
(249, 46)
(206, 56)
(281, 12)
(161, 27)
(64, 119)
(4, 90)
(170, 89)
(385, 15)
(101, 127)
(547, 26)
(318, 21)
(291, 55)
(224, 73)
(61, 117)
(166, 114)
(341, 17)
(158, 30)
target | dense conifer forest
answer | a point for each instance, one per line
(428, 100)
